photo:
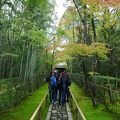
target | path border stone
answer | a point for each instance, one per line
(49, 112)
(69, 112)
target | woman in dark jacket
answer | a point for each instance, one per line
(64, 87)
(59, 86)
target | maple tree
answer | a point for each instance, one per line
(90, 21)
(72, 49)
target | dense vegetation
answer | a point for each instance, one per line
(26, 108)
(90, 112)
(24, 28)
(90, 31)
(23, 37)
(93, 22)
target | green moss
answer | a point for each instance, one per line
(90, 112)
(24, 110)
(99, 77)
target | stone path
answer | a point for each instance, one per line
(58, 112)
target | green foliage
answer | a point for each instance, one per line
(95, 49)
(25, 109)
(88, 22)
(23, 39)
(8, 54)
(23, 36)
(87, 108)
(93, 73)
(105, 78)
(37, 37)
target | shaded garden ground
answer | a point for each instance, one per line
(90, 112)
(25, 109)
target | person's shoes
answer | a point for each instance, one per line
(62, 105)
(66, 100)
(54, 103)
(59, 103)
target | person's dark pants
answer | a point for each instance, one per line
(63, 95)
(59, 96)
(54, 94)
(68, 94)
(50, 95)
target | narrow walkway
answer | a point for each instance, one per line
(57, 112)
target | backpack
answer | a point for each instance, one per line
(53, 81)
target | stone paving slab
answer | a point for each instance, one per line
(69, 112)
(59, 112)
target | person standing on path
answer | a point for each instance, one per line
(64, 87)
(59, 86)
(53, 87)
(57, 74)
(67, 86)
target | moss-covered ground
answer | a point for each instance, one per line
(90, 112)
(25, 109)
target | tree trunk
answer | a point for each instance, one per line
(85, 75)
(94, 30)
(85, 26)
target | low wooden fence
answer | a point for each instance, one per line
(41, 111)
(102, 90)
(75, 109)
(109, 97)
(14, 90)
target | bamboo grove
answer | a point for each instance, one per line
(23, 42)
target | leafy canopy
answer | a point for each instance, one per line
(73, 49)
